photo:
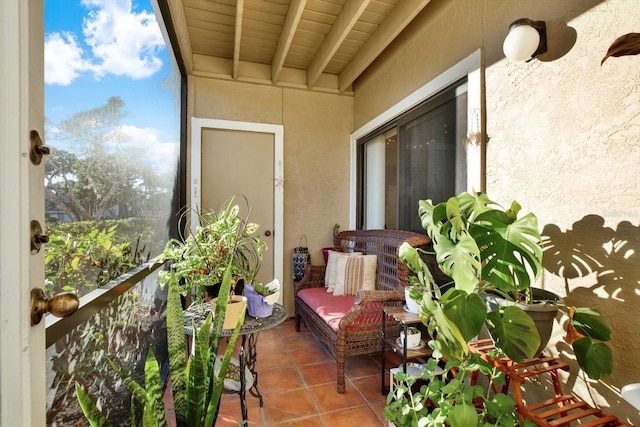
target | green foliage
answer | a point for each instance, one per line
(483, 248)
(514, 332)
(221, 238)
(196, 389)
(80, 257)
(448, 398)
(90, 410)
(261, 289)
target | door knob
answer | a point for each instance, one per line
(267, 233)
(38, 238)
(61, 305)
(37, 148)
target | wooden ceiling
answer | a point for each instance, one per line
(323, 44)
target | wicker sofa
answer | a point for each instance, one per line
(355, 328)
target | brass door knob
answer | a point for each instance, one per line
(61, 305)
(37, 148)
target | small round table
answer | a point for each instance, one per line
(197, 313)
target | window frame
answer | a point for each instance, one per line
(471, 68)
(94, 301)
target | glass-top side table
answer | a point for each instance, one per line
(247, 354)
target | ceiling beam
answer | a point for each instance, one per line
(344, 23)
(179, 20)
(238, 35)
(399, 17)
(286, 37)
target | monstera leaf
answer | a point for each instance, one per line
(509, 249)
(594, 358)
(514, 333)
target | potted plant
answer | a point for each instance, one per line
(488, 250)
(325, 251)
(222, 238)
(196, 384)
(446, 399)
(260, 298)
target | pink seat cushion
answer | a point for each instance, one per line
(329, 307)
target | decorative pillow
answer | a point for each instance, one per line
(331, 272)
(355, 272)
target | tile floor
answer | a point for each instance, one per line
(297, 378)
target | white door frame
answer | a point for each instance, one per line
(22, 359)
(197, 125)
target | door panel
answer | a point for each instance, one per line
(22, 361)
(261, 171)
(241, 162)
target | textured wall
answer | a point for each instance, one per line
(564, 140)
(316, 154)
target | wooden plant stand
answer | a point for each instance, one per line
(562, 410)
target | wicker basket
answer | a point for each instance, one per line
(235, 308)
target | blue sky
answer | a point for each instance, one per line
(95, 49)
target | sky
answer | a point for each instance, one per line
(95, 49)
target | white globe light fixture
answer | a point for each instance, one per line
(526, 40)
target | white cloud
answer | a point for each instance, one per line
(123, 42)
(119, 41)
(62, 59)
(146, 141)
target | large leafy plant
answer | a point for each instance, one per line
(221, 238)
(485, 248)
(196, 388)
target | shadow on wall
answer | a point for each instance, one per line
(591, 248)
(596, 261)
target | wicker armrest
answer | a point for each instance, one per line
(313, 278)
(366, 296)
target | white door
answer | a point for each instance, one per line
(22, 347)
(229, 158)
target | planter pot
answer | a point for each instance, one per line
(234, 310)
(543, 315)
(325, 254)
(411, 305)
(413, 337)
(257, 306)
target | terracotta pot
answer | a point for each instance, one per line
(325, 254)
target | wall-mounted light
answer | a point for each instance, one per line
(526, 40)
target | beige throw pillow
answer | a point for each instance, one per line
(354, 273)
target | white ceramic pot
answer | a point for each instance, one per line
(413, 337)
(411, 305)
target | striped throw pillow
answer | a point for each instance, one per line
(354, 273)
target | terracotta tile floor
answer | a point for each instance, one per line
(297, 379)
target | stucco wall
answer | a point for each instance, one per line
(316, 154)
(564, 140)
